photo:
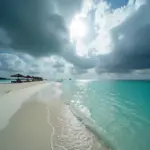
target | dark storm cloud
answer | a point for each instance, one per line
(132, 51)
(4, 39)
(36, 27)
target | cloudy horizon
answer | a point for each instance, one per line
(79, 39)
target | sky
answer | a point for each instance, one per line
(75, 38)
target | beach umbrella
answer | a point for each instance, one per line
(17, 75)
(28, 76)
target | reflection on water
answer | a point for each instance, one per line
(119, 108)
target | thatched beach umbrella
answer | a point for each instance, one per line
(28, 77)
(18, 76)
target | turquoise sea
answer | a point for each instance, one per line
(117, 111)
(5, 81)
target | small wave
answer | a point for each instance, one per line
(91, 125)
(53, 132)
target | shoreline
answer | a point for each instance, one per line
(92, 127)
(43, 121)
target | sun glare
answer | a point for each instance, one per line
(78, 28)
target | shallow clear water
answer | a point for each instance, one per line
(5, 81)
(121, 109)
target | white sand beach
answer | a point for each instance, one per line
(33, 117)
(6, 88)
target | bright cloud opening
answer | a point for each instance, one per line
(78, 28)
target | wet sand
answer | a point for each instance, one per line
(43, 122)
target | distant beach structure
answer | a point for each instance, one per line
(22, 78)
(18, 76)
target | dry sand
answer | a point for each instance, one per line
(7, 87)
(35, 118)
